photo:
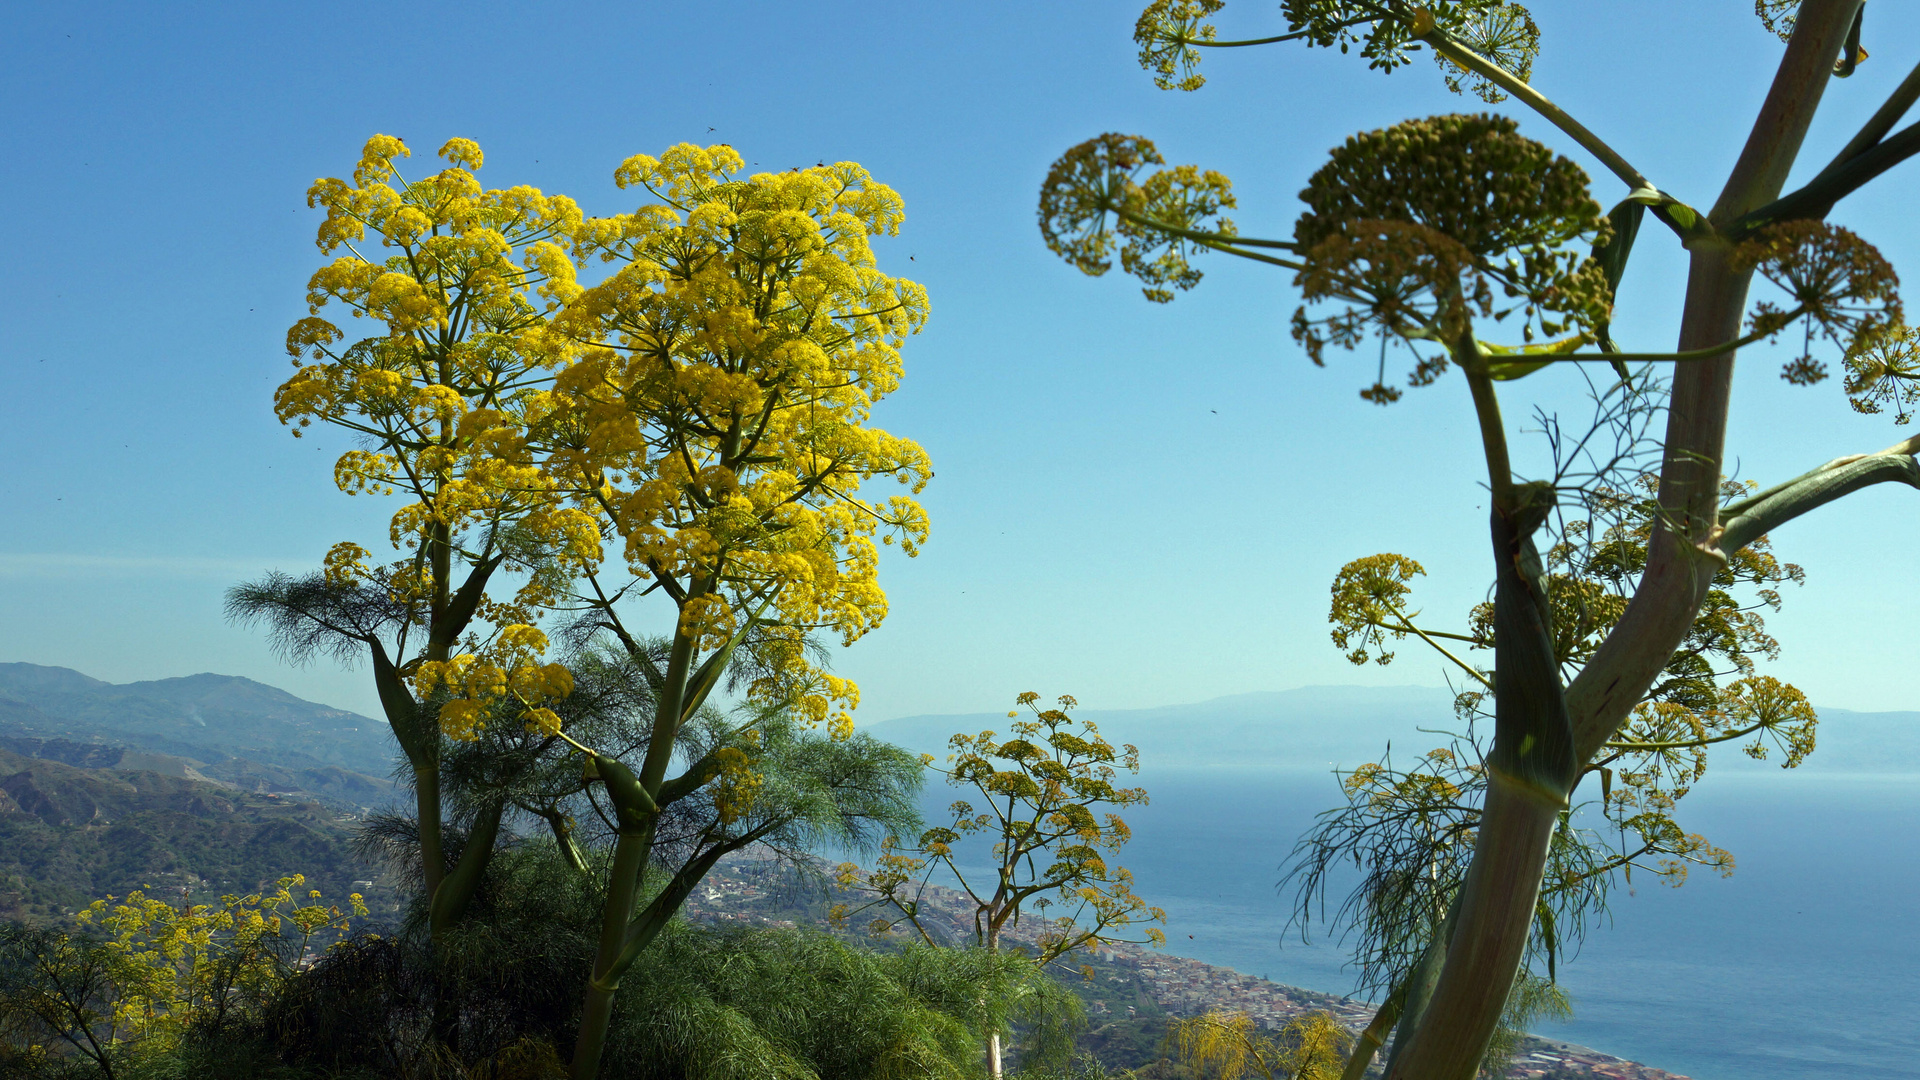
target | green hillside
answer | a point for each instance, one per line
(69, 835)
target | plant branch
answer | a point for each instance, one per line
(1295, 36)
(1442, 649)
(1493, 435)
(1752, 518)
(1819, 31)
(1533, 99)
(1876, 128)
(1681, 560)
(1684, 744)
(1818, 196)
(1215, 241)
(1706, 353)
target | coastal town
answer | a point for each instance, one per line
(1187, 987)
(1119, 983)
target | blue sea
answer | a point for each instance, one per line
(1804, 964)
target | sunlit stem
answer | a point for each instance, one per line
(1536, 101)
(1751, 518)
(1294, 36)
(1707, 353)
(1442, 649)
(1493, 434)
(1636, 746)
(1492, 913)
(1216, 241)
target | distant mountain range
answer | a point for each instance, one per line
(219, 729)
(1316, 728)
(228, 730)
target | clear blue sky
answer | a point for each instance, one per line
(1135, 504)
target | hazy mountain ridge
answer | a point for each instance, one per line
(214, 728)
(207, 717)
(1315, 728)
(1310, 728)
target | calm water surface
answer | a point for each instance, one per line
(1803, 964)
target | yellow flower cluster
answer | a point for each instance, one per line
(718, 423)
(708, 402)
(445, 399)
(182, 961)
(507, 669)
(446, 393)
(735, 784)
(1368, 604)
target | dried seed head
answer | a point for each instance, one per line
(1421, 227)
(1841, 287)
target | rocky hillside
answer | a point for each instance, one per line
(69, 834)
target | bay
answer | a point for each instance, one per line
(1804, 963)
(1800, 965)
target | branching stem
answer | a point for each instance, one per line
(1533, 99)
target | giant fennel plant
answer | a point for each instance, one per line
(1427, 235)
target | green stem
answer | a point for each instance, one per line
(1294, 36)
(596, 1013)
(1685, 744)
(426, 804)
(1533, 99)
(1709, 352)
(563, 839)
(448, 903)
(1751, 519)
(1486, 411)
(1375, 1035)
(1216, 241)
(1881, 122)
(669, 710)
(1493, 916)
(1416, 990)
(1443, 651)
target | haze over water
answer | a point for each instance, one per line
(1801, 964)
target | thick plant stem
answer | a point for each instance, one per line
(448, 903)
(1526, 792)
(1417, 990)
(634, 802)
(1370, 1041)
(1375, 1036)
(426, 804)
(1682, 557)
(1530, 772)
(596, 1013)
(994, 1065)
(1493, 917)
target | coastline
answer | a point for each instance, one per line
(740, 891)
